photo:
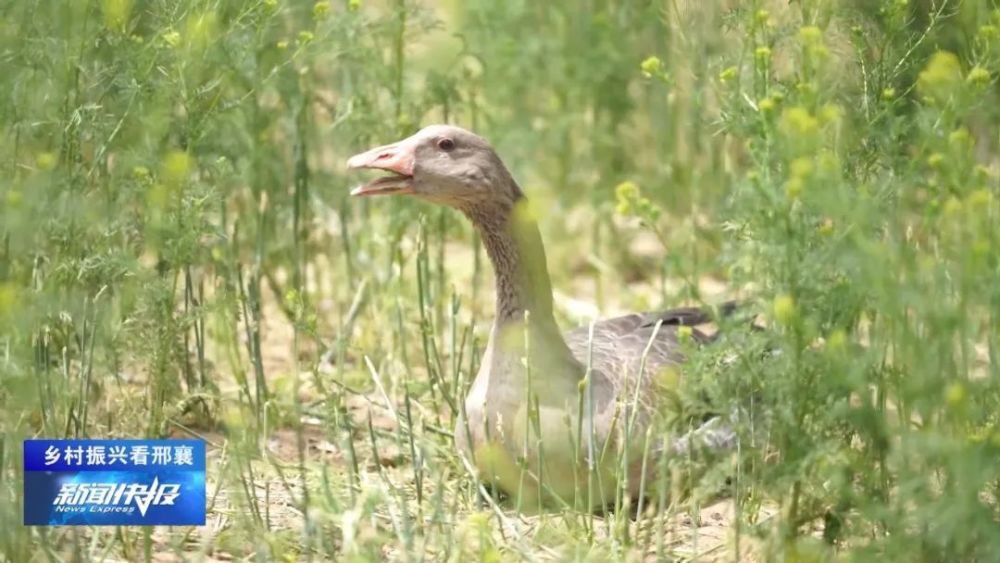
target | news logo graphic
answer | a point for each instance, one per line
(114, 482)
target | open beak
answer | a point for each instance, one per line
(398, 159)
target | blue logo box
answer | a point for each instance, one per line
(114, 482)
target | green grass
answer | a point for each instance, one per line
(178, 257)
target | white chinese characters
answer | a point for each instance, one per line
(117, 454)
(183, 455)
(106, 497)
(96, 455)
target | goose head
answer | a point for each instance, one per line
(442, 164)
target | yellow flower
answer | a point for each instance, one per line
(952, 207)
(810, 35)
(811, 38)
(684, 333)
(940, 76)
(172, 38)
(955, 395)
(305, 37)
(837, 341)
(321, 9)
(935, 160)
(978, 76)
(283, 44)
(728, 74)
(830, 113)
(766, 105)
(116, 13)
(627, 193)
(201, 30)
(807, 88)
(140, 173)
(889, 94)
(826, 227)
(801, 167)
(176, 167)
(8, 298)
(763, 55)
(157, 197)
(784, 309)
(14, 198)
(46, 160)
(979, 199)
(651, 66)
(793, 187)
(761, 17)
(960, 138)
(828, 162)
(989, 33)
(627, 190)
(668, 378)
(798, 122)
(292, 299)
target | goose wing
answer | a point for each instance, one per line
(619, 343)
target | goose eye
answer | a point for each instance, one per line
(446, 144)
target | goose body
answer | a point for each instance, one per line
(552, 418)
(556, 435)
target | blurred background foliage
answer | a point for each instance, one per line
(178, 254)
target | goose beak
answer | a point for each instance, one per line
(398, 159)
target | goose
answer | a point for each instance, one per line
(551, 418)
